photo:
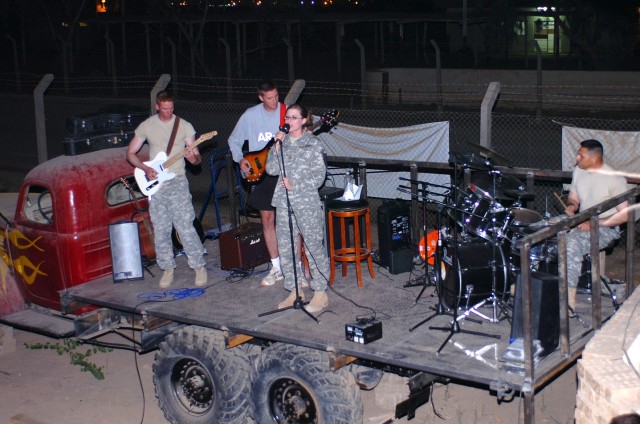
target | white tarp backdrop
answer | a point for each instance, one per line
(424, 142)
(621, 148)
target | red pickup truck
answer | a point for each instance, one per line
(55, 229)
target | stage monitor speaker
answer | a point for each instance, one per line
(546, 311)
(394, 229)
(126, 257)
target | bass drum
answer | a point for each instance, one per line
(471, 265)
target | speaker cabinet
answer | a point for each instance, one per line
(243, 247)
(400, 260)
(546, 311)
(394, 229)
(126, 257)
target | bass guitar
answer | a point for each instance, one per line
(160, 163)
(258, 160)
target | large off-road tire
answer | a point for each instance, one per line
(294, 384)
(198, 381)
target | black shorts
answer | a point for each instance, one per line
(262, 192)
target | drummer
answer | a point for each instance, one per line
(590, 187)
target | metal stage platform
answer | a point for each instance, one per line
(233, 303)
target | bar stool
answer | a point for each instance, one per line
(349, 213)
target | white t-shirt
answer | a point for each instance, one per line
(593, 187)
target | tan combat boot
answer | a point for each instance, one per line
(319, 302)
(288, 302)
(573, 291)
(201, 277)
(167, 278)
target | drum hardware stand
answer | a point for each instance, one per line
(498, 306)
(454, 325)
(298, 303)
(423, 280)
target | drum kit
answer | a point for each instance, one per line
(471, 253)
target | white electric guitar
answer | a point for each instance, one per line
(160, 163)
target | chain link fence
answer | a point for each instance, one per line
(522, 140)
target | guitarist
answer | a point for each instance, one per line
(258, 125)
(171, 205)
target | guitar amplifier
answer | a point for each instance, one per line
(243, 247)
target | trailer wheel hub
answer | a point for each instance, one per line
(291, 401)
(193, 386)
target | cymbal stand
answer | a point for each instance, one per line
(454, 325)
(498, 306)
(423, 280)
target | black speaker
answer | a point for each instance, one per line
(400, 260)
(126, 257)
(394, 229)
(546, 311)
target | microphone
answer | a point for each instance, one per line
(285, 128)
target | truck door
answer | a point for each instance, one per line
(34, 246)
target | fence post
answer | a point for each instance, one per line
(161, 84)
(363, 67)
(174, 64)
(289, 60)
(227, 58)
(41, 128)
(111, 56)
(438, 74)
(485, 113)
(16, 64)
(539, 78)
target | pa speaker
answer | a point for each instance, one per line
(126, 258)
(394, 229)
(546, 310)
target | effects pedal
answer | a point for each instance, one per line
(363, 331)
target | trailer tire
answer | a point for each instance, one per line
(197, 380)
(295, 384)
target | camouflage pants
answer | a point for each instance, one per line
(309, 223)
(579, 244)
(171, 206)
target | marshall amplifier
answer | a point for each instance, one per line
(243, 247)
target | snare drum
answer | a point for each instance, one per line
(524, 217)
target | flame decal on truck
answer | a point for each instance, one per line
(23, 266)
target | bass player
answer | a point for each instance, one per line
(258, 124)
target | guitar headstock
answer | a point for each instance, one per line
(208, 136)
(330, 117)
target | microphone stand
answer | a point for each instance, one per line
(298, 303)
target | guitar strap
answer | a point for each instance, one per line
(283, 111)
(174, 131)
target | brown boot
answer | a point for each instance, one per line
(167, 278)
(319, 302)
(288, 302)
(572, 297)
(201, 277)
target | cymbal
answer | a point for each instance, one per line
(506, 187)
(496, 157)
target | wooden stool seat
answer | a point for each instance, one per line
(347, 213)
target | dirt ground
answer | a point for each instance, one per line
(41, 387)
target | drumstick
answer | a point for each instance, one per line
(564, 205)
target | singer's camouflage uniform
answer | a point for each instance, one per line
(305, 167)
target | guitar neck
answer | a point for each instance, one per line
(173, 159)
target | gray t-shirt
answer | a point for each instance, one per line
(257, 125)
